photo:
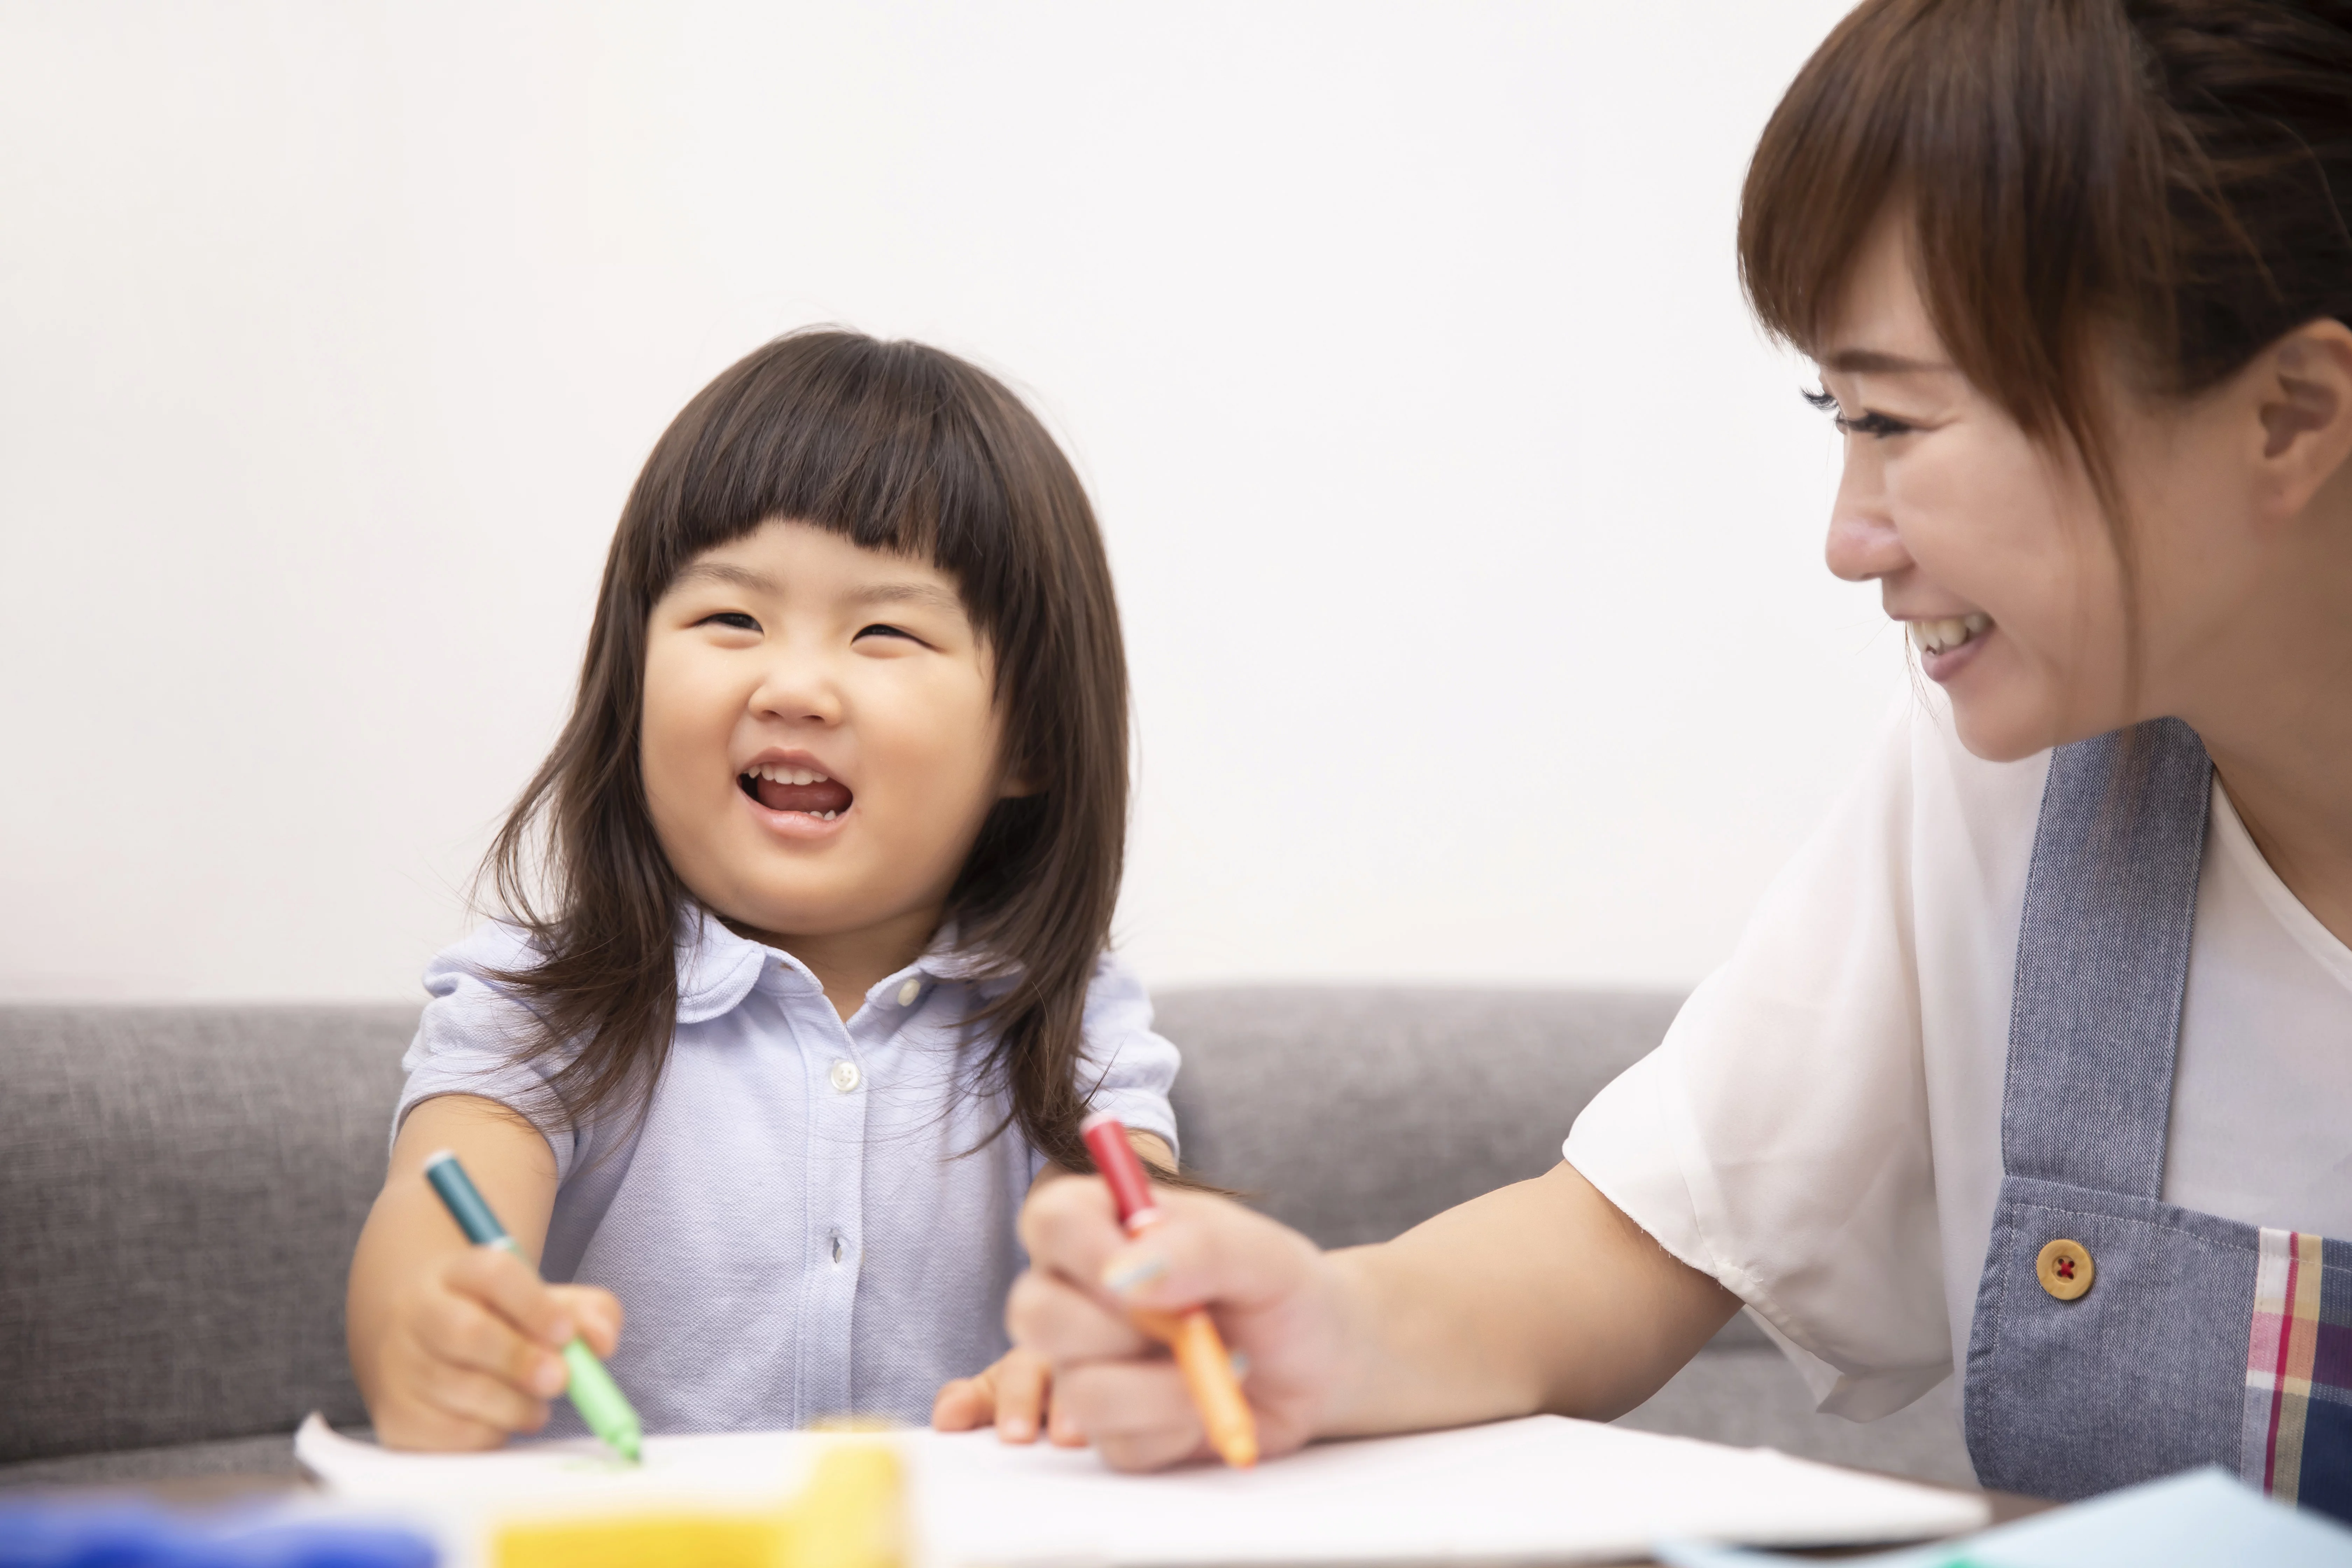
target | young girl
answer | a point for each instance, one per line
(816, 987)
(2036, 1066)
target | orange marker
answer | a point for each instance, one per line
(1199, 1351)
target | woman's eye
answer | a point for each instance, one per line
(1868, 424)
(735, 619)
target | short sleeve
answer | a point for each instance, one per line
(472, 1032)
(1126, 1069)
(1779, 1138)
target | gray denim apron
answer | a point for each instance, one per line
(2116, 1337)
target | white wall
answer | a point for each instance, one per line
(1468, 533)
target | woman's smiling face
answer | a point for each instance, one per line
(1990, 546)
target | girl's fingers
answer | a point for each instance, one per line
(461, 1332)
(510, 1286)
(1135, 1414)
(467, 1396)
(1024, 1382)
(963, 1403)
(1062, 1323)
(595, 1310)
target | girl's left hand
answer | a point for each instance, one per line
(1014, 1395)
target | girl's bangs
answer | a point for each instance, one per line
(868, 440)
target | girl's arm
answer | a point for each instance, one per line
(455, 1346)
(1539, 1296)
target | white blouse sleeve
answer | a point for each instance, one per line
(1779, 1139)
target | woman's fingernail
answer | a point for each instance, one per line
(1125, 1275)
(1017, 1431)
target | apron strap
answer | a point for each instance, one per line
(2102, 960)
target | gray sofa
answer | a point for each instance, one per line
(180, 1189)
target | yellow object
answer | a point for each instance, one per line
(647, 1541)
(850, 1515)
(2064, 1270)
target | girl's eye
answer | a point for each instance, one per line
(1870, 423)
(879, 630)
(734, 619)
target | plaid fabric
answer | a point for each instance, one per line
(2297, 1436)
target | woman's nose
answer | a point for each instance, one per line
(1863, 544)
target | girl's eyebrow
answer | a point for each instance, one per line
(726, 572)
(926, 596)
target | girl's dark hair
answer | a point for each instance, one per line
(2170, 177)
(895, 447)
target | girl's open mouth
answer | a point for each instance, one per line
(783, 788)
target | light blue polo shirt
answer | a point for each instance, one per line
(797, 1229)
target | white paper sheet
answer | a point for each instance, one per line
(1542, 1489)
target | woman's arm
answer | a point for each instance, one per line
(1541, 1296)
(455, 1346)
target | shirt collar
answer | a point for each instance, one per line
(717, 968)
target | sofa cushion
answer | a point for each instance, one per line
(1354, 1113)
(181, 1187)
(180, 1191)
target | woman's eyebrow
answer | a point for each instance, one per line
(1877, 362)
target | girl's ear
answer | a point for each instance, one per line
(2303, 386)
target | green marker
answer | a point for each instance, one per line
(593, 1392)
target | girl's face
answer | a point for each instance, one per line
(820, 735)
(1991, 550)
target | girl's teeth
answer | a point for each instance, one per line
(774, 774)
(1939, 635)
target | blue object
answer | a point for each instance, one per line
(114, 1534)
(2202, 1520)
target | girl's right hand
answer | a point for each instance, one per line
(473, 1351)
(1278, 1302)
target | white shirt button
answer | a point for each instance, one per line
(909, 991)
(845, 1075)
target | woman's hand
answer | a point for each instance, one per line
(1539, 1296)
(471, 1351)
(1014, 1395)
(1278, 1301)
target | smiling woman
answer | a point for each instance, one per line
(2031, 1067)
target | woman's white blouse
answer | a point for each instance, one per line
(1820, 1129)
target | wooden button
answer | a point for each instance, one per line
(2064, 1268)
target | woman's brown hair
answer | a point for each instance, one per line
(2170, 177)
(896, 446)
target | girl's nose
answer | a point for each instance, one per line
(1863, 544)
(798, 692)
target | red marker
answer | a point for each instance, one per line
(1199, 1351)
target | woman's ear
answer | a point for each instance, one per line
(2302, 385)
